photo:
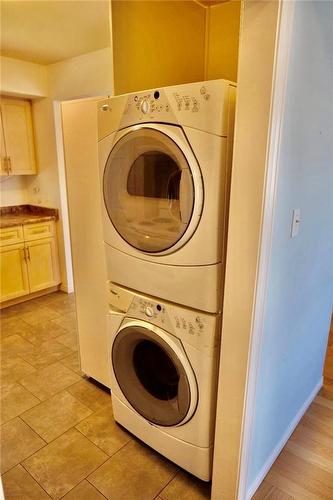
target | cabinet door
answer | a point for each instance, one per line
(43, 265)
(14, 273)
(18, 134)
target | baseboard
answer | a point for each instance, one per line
(277, 450)
(29, 296)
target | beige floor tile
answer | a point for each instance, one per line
(70, 340)
(102, 430)
(18, 442)
(13, 311)
(67, 298)
(64, 463)
(19, 485)
(73, 362)
(84, 491)
(15, 399)
(45, 354)
(13, 326)
(90, 394)
(67, 321)
(56, 415)
(48, 381)
(14, 368)
(39, 315)
(15, 345)
(62, 306)
(186, 487)
(43, 332)
(120, 479)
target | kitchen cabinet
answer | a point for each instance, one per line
(42, 264)
(17, 139)
(14, 272)
(29, 260)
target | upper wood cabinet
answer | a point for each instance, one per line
(17, 140)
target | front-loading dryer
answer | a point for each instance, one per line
(165, 162)
(164, 366)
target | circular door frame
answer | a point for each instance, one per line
(177, 348)
(198, 185)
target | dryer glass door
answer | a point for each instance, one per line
(148, 190)
(151, 376)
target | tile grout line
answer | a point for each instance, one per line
(79, 485)
(33, 430)
(101, 465)
(18, 382)
(109, 456)
(29, 456)
(167, 484)
(21, 464)
(72, 427)
(35, 479)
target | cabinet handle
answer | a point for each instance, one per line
(24, 254)
(39, 231)
(5, 164)
(28, 251)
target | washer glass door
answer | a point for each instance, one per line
(151, 376)
(148, 190)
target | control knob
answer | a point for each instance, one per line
(149, 312)
(145, 106)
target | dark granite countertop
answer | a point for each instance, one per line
(26, 214)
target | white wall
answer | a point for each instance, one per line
(43, 188)
(83, 76)
(300, 286)
(22, 78)
(13, 191)
(86, 75)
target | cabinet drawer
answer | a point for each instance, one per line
(38, 230)
(11, 235)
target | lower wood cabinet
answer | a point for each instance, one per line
(42, 262)
(29, 266)
(14, 272)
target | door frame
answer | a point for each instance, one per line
(252, 204)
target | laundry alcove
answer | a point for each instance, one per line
(160, 43)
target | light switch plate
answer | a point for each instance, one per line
(295, 222)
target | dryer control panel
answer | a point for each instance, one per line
(202, 330)
(204, 106)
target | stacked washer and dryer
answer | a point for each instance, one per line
(165, 163)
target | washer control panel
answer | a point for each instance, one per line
(193, 327)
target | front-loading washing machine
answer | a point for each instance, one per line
(164, 367)
(165, 163)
